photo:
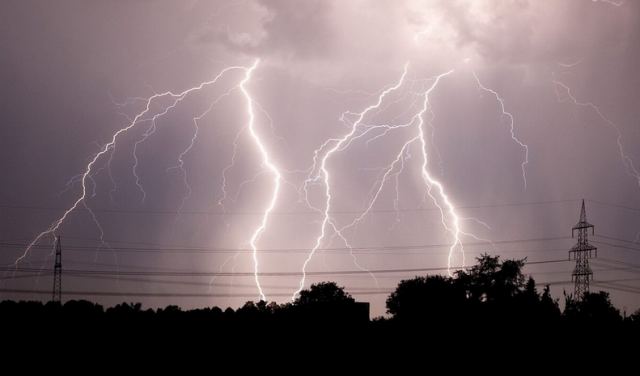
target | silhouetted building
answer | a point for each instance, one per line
(334, 312)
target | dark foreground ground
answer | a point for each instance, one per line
(482, 317)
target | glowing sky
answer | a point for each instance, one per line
(75, 72)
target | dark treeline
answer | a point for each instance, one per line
(492, 299)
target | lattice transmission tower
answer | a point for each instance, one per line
(582, 252)
(57, 273)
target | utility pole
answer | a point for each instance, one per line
(582, 252)
(57, 273)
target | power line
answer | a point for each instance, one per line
(193, 283)
(238, 295)
(285, 250)
(620, 262)
(137, 294)
(568, 281)
(619, 206)
(614, 267)
(132, 266)
(26, 275)
(617, 239)
(338, 252)
(262, 274)
(305, 212)
(623, 289)
(597, 283)
(174, 282)
(617, 246)
(24, 242)
(620, 285)
(236, 285)
(310, 212)
(165, 295)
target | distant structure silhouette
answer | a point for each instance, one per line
(582, 252)
(57, 273)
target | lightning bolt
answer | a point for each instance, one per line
(266, 161)
(86, 175)
(611, 2)
(571, 65)
(431, 182)
(626, 160)
(323, 173)
(180, 165)
(358, 130)
(396, 198)
(152, 129)
(387, 173)
(134, 170)
(524, 146)
(225, 170)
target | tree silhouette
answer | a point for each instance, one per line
(491, 294)
(324, 292)
(594, 308)
(548, 307)
(326, 303)
(426, 297)
(491, 280)
(493, 299)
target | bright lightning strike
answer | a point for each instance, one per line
(626, 160)
(320, 172)
(323, 173)
(223, 187)
(611, 2)
(266, 160)
(110, 146)
(571, 64)
(431, 182)
(181, 163)
(150, 131)
(524, 146)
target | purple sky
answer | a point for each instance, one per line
(74, 72)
